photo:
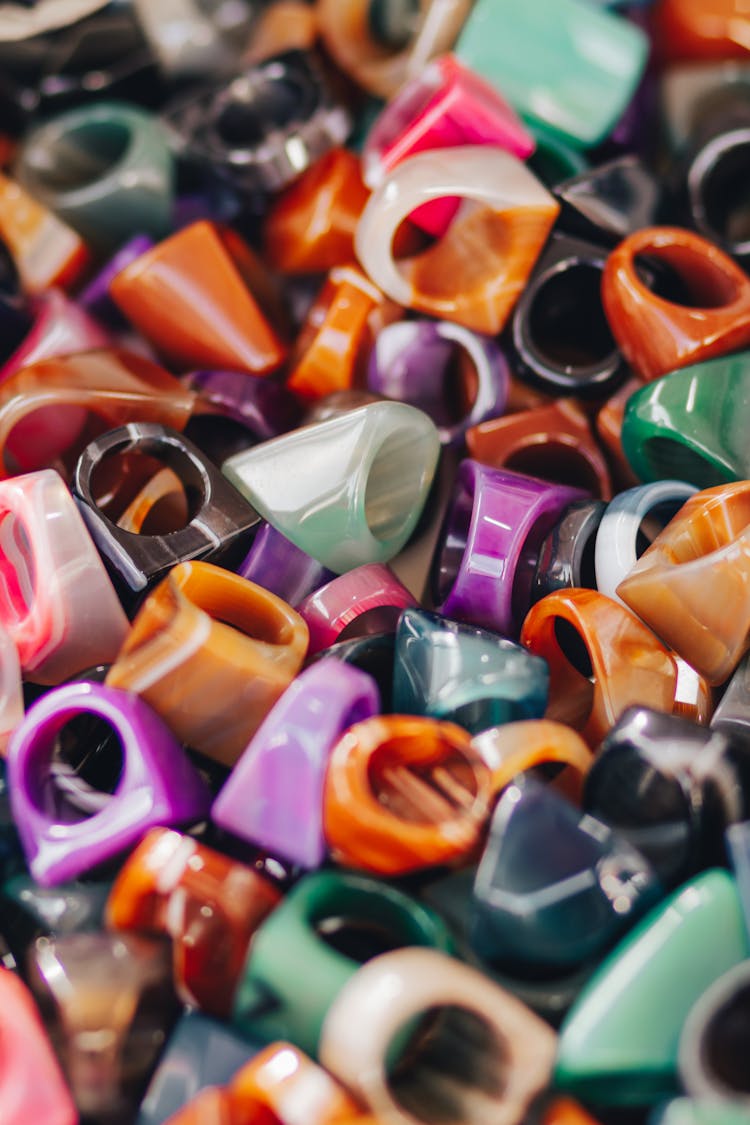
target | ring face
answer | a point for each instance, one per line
(554, 887)
(220, 525)
(666, 587)
(550, 61)
(607, 203)
(157, 786)
(670, 786)
(46, 251)
(607, 1053)
(265, 126)
(206, 276)
(274, 795)
(274, 563)
(357, 508)
(207, 645)
(463, 674)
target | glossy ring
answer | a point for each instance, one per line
(484, 561)
(368, 599)
(713, 1049)
(56, 600)
(390, 993)
(382, 814)
(513, 748)
(566, 557)
(105, 169)
(211, 653)
(705, 548)
(616, 549)
(46, 251)
(157, 787)
(656, 334)
(361, 49)
(412, 361)
(500, 231)
(623, 664)
(553, 442)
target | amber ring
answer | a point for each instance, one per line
(211, 653)
(404, 793)
(601, 659)
(708, 316)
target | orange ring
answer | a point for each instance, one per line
(629, 664)
(513, 748)
(403, 793)
(211, 653)
(657, 335)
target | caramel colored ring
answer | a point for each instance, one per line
(513, 748)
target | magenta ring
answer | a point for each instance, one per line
(488, 545)
(368, 599)
(274, 795)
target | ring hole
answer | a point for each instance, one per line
(587, 576)
(654, 522)
(727, 1042)
(393, 24)
(81, 156)
(394, 485)
(691, 280)
(445, 1064)
(453, 538)
(556, 462)
(259, 618)
(573, 647)
(359, 939)
(80, 770)
(17, 569)
(257, 108)
(567, 324)
(725, 197)
(572, 687)
(668, 458)
(421, 778)
(125, 487)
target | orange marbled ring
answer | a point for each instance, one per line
(211, 653)
(601, 659)
(403, 793)
(475, 273)
(553, 442)
(513, 748)
(691, 585)
(657, 335)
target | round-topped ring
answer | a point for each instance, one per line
(105, 168)
(639, 512)
(656, 334)
(403, 793)
(381, 45)
(715, 1041)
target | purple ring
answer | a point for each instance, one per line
(274, 795)
(278, 565)
(95, 297)
(263, 407)
(488, 545)
(411, 362)
(157, 787)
